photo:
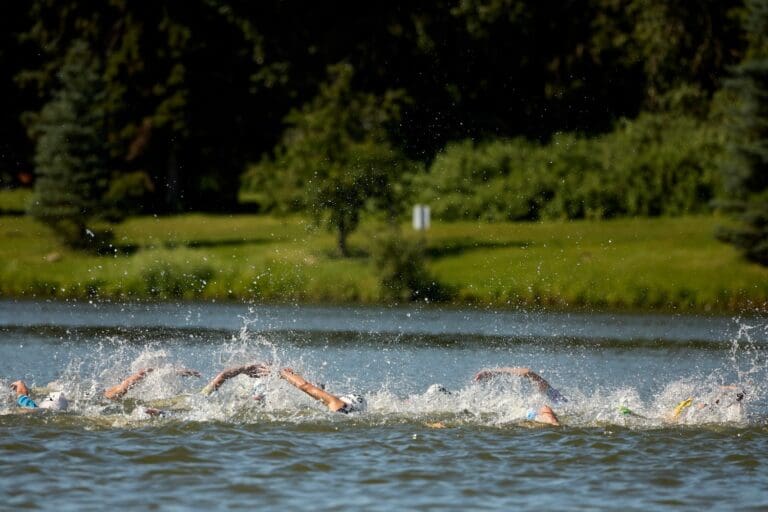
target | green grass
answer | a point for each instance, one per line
(644, 264)
(14, 201)
(631, 264)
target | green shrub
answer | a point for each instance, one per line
(166, 279)
(657, 164)
(401, 266)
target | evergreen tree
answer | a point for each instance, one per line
(746, 169)
(70, 155)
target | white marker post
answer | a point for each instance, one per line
(421, 217)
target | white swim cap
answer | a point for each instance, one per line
(437, 389)
(354, 403)
(56, 401)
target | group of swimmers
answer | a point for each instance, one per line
(543, 413)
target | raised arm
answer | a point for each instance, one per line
(525, 373)
(20, 388)
(119, 391)
(333, 402)
(22, 395)
(252, 370)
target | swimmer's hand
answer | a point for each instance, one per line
(482, 375)
(295, 379)
(256, 370)
(20, 388)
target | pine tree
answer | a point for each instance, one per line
(746, 169)
(70, 154)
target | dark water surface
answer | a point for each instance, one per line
(228, 451)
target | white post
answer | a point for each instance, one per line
(421, 217)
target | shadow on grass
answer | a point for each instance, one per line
(226, 242)
(354, 253)
(117, 249)
(456, 248)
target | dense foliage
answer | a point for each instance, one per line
(335, 157)
(654, 165)
(70, 157)
(518, 109)
(196, 89)
(746, 168)
(178, 92)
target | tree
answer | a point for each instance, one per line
(337, 156)
(70, 157)
(179, 85)
(746, 168)
(15, 148)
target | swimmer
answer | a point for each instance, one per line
(343, 404)
(727, 396)
(544, 414)
(120, 390)
(255, 370)
(55, 401)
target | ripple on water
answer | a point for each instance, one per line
(221, 452)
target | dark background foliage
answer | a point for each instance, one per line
(590, 97)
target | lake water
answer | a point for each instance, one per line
(229, 451)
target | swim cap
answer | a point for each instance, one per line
(681, 407)
(437, 389)
(259, 392)
(354, 403)
(56, 401)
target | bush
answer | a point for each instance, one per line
(401, 266)
(166, 280)
(657, 164)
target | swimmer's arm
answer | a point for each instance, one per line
(333, 403)
(119, 391)
(548, 416)
(22, 395)
(252, 370)
(20, 388)
(737, 391)
(525, 373)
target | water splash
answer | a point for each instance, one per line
(391, 398)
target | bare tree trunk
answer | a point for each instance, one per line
(342, 243)
(172, 191)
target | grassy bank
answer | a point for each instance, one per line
(638, 264)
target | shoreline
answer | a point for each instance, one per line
(658, 265)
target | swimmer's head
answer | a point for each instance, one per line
(353, 403)
(738, 397)
(259, 392)
(437, 389)
(56, 401)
